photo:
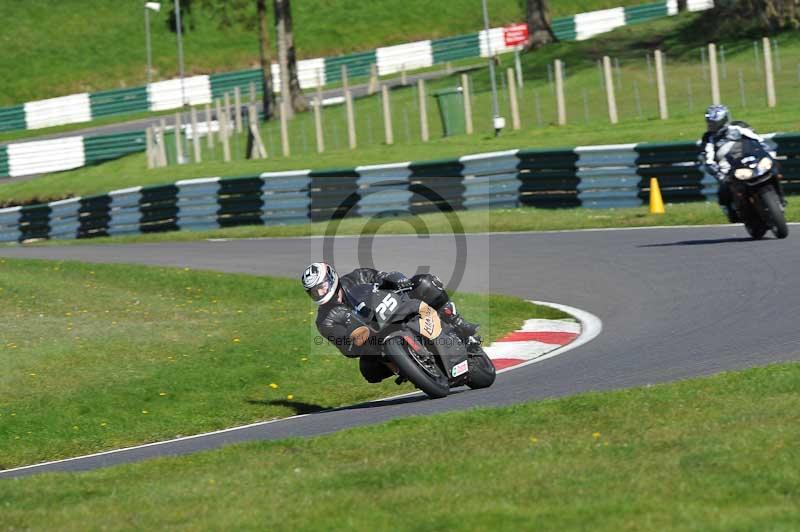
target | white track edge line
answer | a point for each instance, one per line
(591, 326)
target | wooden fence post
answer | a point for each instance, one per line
(318, 117)
(560, 102)
(467, 104)
(348, 101)
(663, 109)
(387, 115)
(150, 148)
(210, 131)
(237, 99)
(423, 110)
(198, 158)
(610, 96)
(224, 136)
(512, 98)
(770, 75)
(178, 139)
(712, 64)
(285, 127)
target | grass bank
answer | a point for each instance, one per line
(716, 453)
(101, 43)
(98, 357)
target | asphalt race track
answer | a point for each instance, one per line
(675, 303)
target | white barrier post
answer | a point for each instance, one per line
(227, 112)
(770, 75)
(224, 136)
(610, 96)
(162, 147)
(662, 87)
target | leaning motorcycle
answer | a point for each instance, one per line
(425, 350)
(754, 184)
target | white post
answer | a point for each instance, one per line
(198, 158)
(770, 75)
(467, 104)
(560, 102)
(285, 126)
(318, 118)
(512, 98)
(662, 86)
(423, 110)
(373, 79)
(712, 64)
(610, 96)
(348, 101)
(237, 99)
(387, 115)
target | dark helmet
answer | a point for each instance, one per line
(717, 117)
(320, 281)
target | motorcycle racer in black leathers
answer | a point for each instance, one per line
(717, 141)
(340, 324)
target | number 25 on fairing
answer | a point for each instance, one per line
(389, 303)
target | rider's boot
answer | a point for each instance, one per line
(463, 328)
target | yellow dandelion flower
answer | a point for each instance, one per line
(145, 412)
(534, 440)
(236, 341)
(103, 424)
(596, 435)
(290, 397)
(162, 394)
(33, 374)
(273, 385)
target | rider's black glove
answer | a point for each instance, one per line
(397, 281)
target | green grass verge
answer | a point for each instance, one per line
(498, 220)
(588, 122)
(717, 453)
(101, 43)
(99, 357)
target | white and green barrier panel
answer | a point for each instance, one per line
(589, 176)
(67, 153)
(169, 94)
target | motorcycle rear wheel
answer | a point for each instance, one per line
(434, 386)
(481, 371)
(774, 212)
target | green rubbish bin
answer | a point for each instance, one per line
(451, 109)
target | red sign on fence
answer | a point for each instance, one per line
(515, 34)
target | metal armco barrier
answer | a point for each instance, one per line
(589, 176)
(169, 94)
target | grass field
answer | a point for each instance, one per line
(717, 453)
(588, 123)
(499, 220)
(98, 357)
(101, 43)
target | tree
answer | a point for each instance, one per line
(266, 61)
(287, 58)
(753, 16)
(540, 32)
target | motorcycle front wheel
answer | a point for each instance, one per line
(481, 371)
(420, 369)
(773, 210)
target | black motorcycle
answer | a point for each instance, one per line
(755, 189)
(424, 350)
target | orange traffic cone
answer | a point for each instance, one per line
(656, 202)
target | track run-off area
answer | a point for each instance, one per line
(674, 303)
